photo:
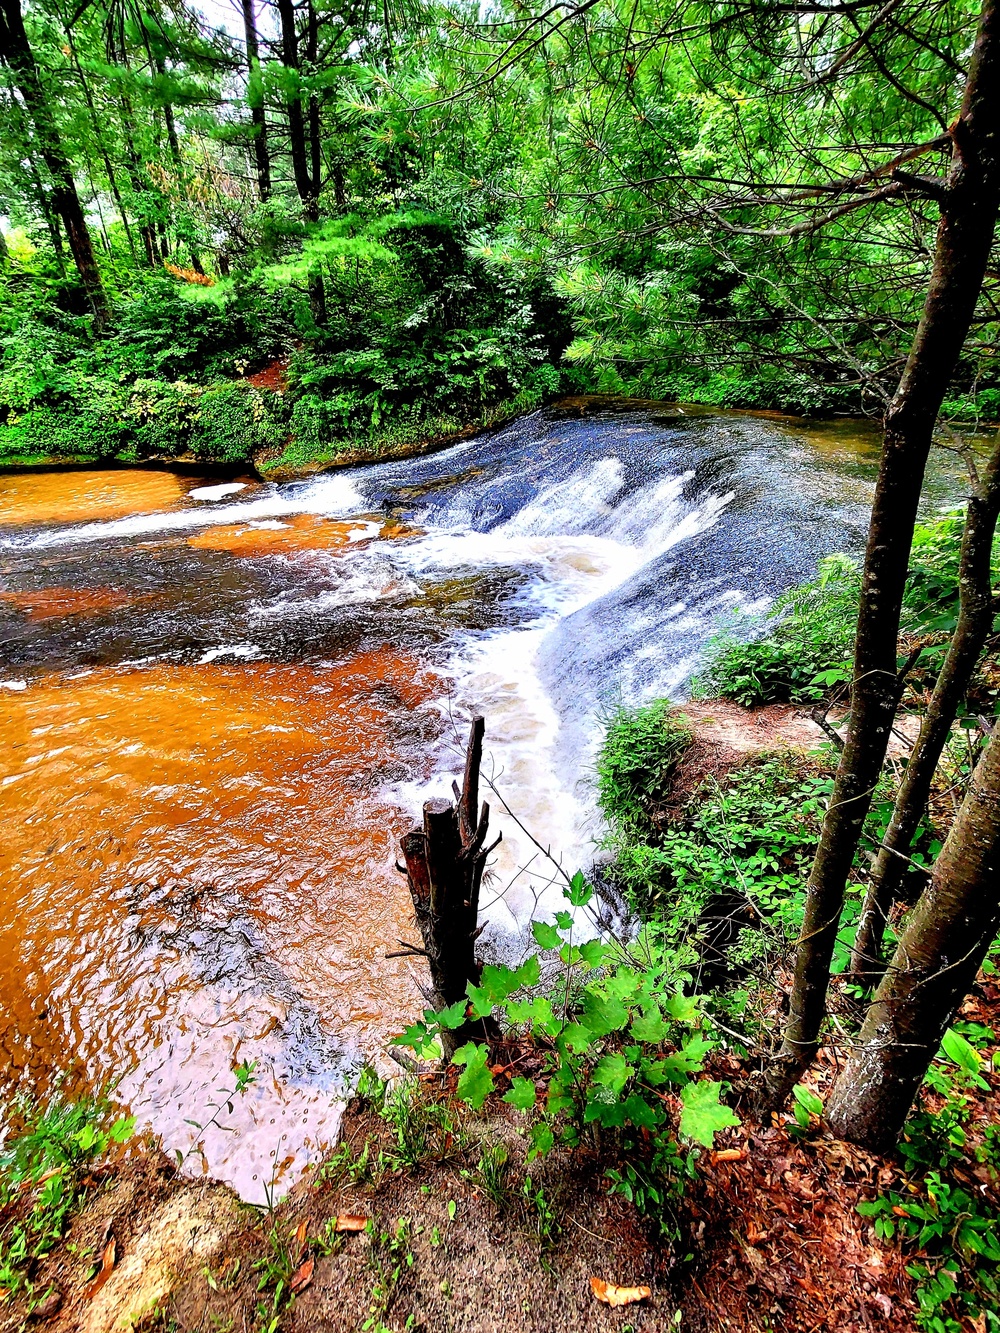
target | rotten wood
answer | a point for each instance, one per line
(445, 861)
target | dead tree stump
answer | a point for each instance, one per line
(445, 860)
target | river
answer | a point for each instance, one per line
(221, 703)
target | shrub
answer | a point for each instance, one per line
(641, 749)
(807, 649)
(234, 421)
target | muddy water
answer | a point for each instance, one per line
(221, 702)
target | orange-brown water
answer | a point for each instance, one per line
(143, 811)
(36, 497)
(303, 532)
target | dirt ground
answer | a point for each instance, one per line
(768, 1238)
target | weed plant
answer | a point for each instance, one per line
(49, 1159)
(945, 1213)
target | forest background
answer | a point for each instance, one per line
(435, 216)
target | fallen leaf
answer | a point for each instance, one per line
(301, 1231)
(728, 1155)
(613, 1295)
(350, 1222)
(107, 1263)
(303, 1276)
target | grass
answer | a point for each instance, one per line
(42, 1171)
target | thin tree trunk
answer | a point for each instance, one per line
(964, 238)
(98, 135)
(315, 141)
(257, 116)
(175, 153)
(51, 220)
(300, 158)
(16, 53)
(934, 966)
(975, 621)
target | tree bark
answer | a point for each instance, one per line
(258, 117)
(16, 54)
(445, 861)
(308, 195)
(964, 239)
(975, 621)
(934, 966)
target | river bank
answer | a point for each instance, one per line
(291, 460)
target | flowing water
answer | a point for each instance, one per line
(222, 702)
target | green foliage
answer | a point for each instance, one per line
(949, 1226)
(805, 653)
(641, 748)
(50, 1156)
(620, 1037)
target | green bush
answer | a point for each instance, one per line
(812, 636)
(615, 1033)
(234, 421)
(641, 749)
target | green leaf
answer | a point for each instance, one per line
(651, 1027)
(613, 1072)
(593, 953)
(476, 1082)
(683, 1008)
(500, 982)
(579, 892)
(522, 1094)
(546, 936)
(537, 1011)
(122, 1129)
(624, 984)
(542, 1140)
(807, 1099)
(702, 1116)
(480, 1002)
(640, 1113)
(416, 1035)
(530, 971)
(577, 1038)
(602, 1014)
(454, 1016)
(564, 920)
(962, 1052)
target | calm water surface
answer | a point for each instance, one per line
(221, 703)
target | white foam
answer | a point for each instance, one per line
(580, 548)
(16, 685)
(216, 492)
(243, 652)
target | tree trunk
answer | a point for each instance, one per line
(257, 116)
(445, 860)
(308, 196)
(975, 621)
(102, 148)
(935, 964)
(16, 53)
(964, 238)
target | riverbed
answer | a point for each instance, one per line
(222, 702)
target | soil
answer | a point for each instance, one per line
(768, 1236)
